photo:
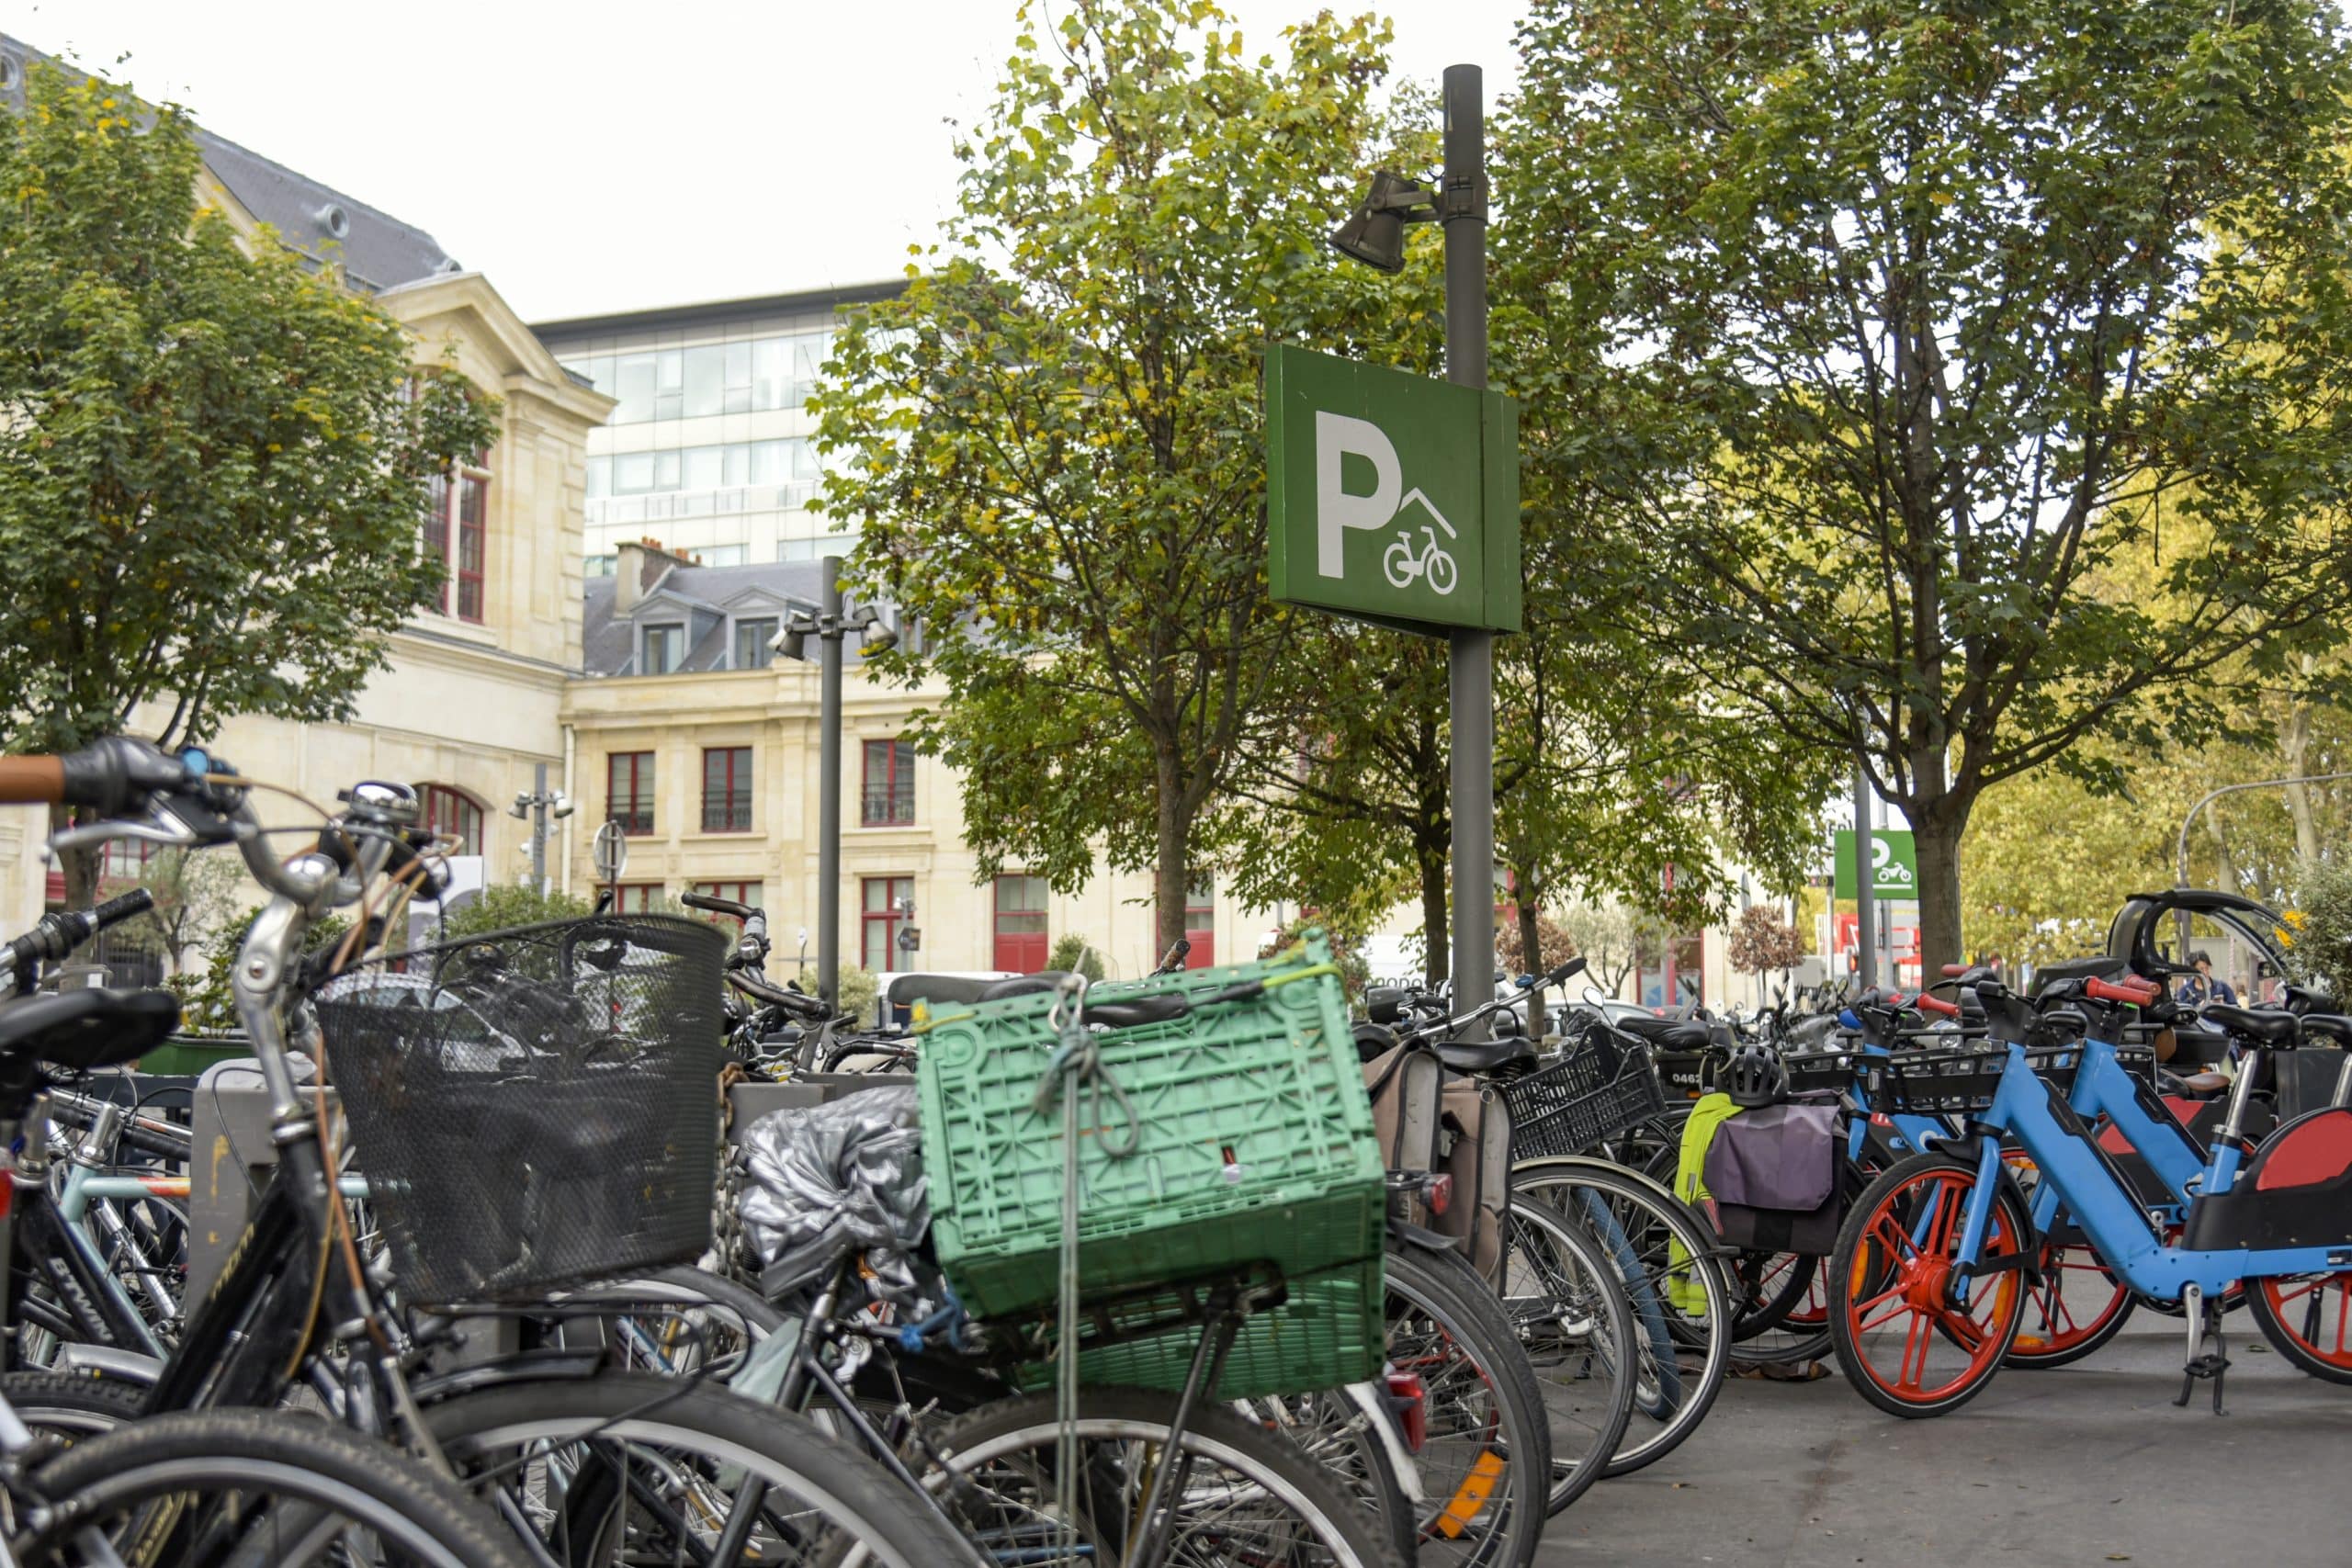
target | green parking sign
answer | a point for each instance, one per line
(1894, 864)
(1391, 497)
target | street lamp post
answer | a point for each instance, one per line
(536, 807)
(1376, 236)
(2180, 864)
(829, 625)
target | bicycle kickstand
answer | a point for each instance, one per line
(2204, 1324)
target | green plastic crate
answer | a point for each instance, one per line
(1257, 1145)
(185, 1055)
(1333, 1329)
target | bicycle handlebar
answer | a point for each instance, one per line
(1936, 1005)
(2139, 993)
(717, 905)
(61, 934)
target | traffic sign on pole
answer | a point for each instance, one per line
(1894, 864)
(1391, 497)
(611, 852)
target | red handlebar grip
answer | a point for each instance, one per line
(1954, 971)
(1927, 1003)
(2139, 993)
(32, 781)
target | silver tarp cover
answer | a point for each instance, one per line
(852, 1167)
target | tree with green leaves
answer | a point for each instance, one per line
(1053, 441)
(1891, 332)
(213, 458)
(195, 894)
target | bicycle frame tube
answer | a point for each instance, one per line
(2101, 1203)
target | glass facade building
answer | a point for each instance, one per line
(710, 450)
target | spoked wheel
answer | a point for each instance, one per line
(1914, 1335)
(2080, 1304)
(2308, 1319)
(1781, 1301)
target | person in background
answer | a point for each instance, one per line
(2201, 988)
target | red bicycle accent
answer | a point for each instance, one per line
(1904, 1337)
(2139, 993)
(1936, 1005)
(2314, 1311)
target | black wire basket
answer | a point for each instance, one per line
(534, 1107)
(1928, 1083)
(1600, 1089)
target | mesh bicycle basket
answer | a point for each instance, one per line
(537, 1106)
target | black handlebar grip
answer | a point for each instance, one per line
(120, 908)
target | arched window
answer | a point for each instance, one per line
(452, 812)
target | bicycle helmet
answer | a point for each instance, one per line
(1754, 1075)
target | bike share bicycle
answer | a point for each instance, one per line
(1931, 1262)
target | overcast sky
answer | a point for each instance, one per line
(594, 156)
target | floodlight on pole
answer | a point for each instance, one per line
(1375, 235)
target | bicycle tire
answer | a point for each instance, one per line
(2323, 1356)
(841, 1503)
(72, 1405)
(1876, 1253)
(1656, 1287)
(319, 1471)
(986, 1441)
(1485, 1496)
(1568, 1306)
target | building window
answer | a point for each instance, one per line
(727, 789)
(665, 649)
(457, 520)
(636, 897)
(751, 640)
(889, 793)
(719, 554)
(1673, 974)
(629, 790)
(1021, 924)
(1200, 924)
(598, 566)
(751, 893)
(452, 814)
(882, 914)
(126, 860)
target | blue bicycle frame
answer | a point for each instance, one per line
(2075, 1172)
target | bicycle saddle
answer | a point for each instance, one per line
(2274, 1031)
(85, 1028)
(1021, 986)
(1674, 1033)
(2333, 1026)
(960, 990)
(1483, 1056)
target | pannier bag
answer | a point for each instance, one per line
(1429, 1120)
(1772, 1172)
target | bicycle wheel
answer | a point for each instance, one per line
(2308, 1319)
(1587, 1349)
(203, 1487)
(624, 1468)
(1485, 1466)
(1662, 1252)
(1248, 1496)
(2080, 1304)
(1905, 1338)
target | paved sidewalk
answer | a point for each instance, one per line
(2088, 1464)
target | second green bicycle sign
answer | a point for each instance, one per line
(1391, 497)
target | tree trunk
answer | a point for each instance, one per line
(1173, 878)
(2295, 748)
(1436, 963)
(1935, 831)
(2225, 865)
(1531, 952)
(80, 865)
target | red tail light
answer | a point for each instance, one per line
(1439, 1193)
(1409, 1399)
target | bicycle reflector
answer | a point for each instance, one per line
(1438, 1192)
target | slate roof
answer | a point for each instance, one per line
(705, 596)
(376, 250)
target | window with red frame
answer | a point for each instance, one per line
(1021, 924)
(457, 522)
(453, 813)
(881, 913)
(727, 789)
(889, 793)
(636, 897)
(1200, 925)
(629, 790)
(126, 860)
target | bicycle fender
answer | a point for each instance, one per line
(1428, 1240)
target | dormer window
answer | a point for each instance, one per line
(665, 648)
(751, 640)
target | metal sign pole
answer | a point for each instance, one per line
(1470, 653)
(1865, 884)
(829, 792)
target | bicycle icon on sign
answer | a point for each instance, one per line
(1402, 565)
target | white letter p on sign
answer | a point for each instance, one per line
(1336, 435)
